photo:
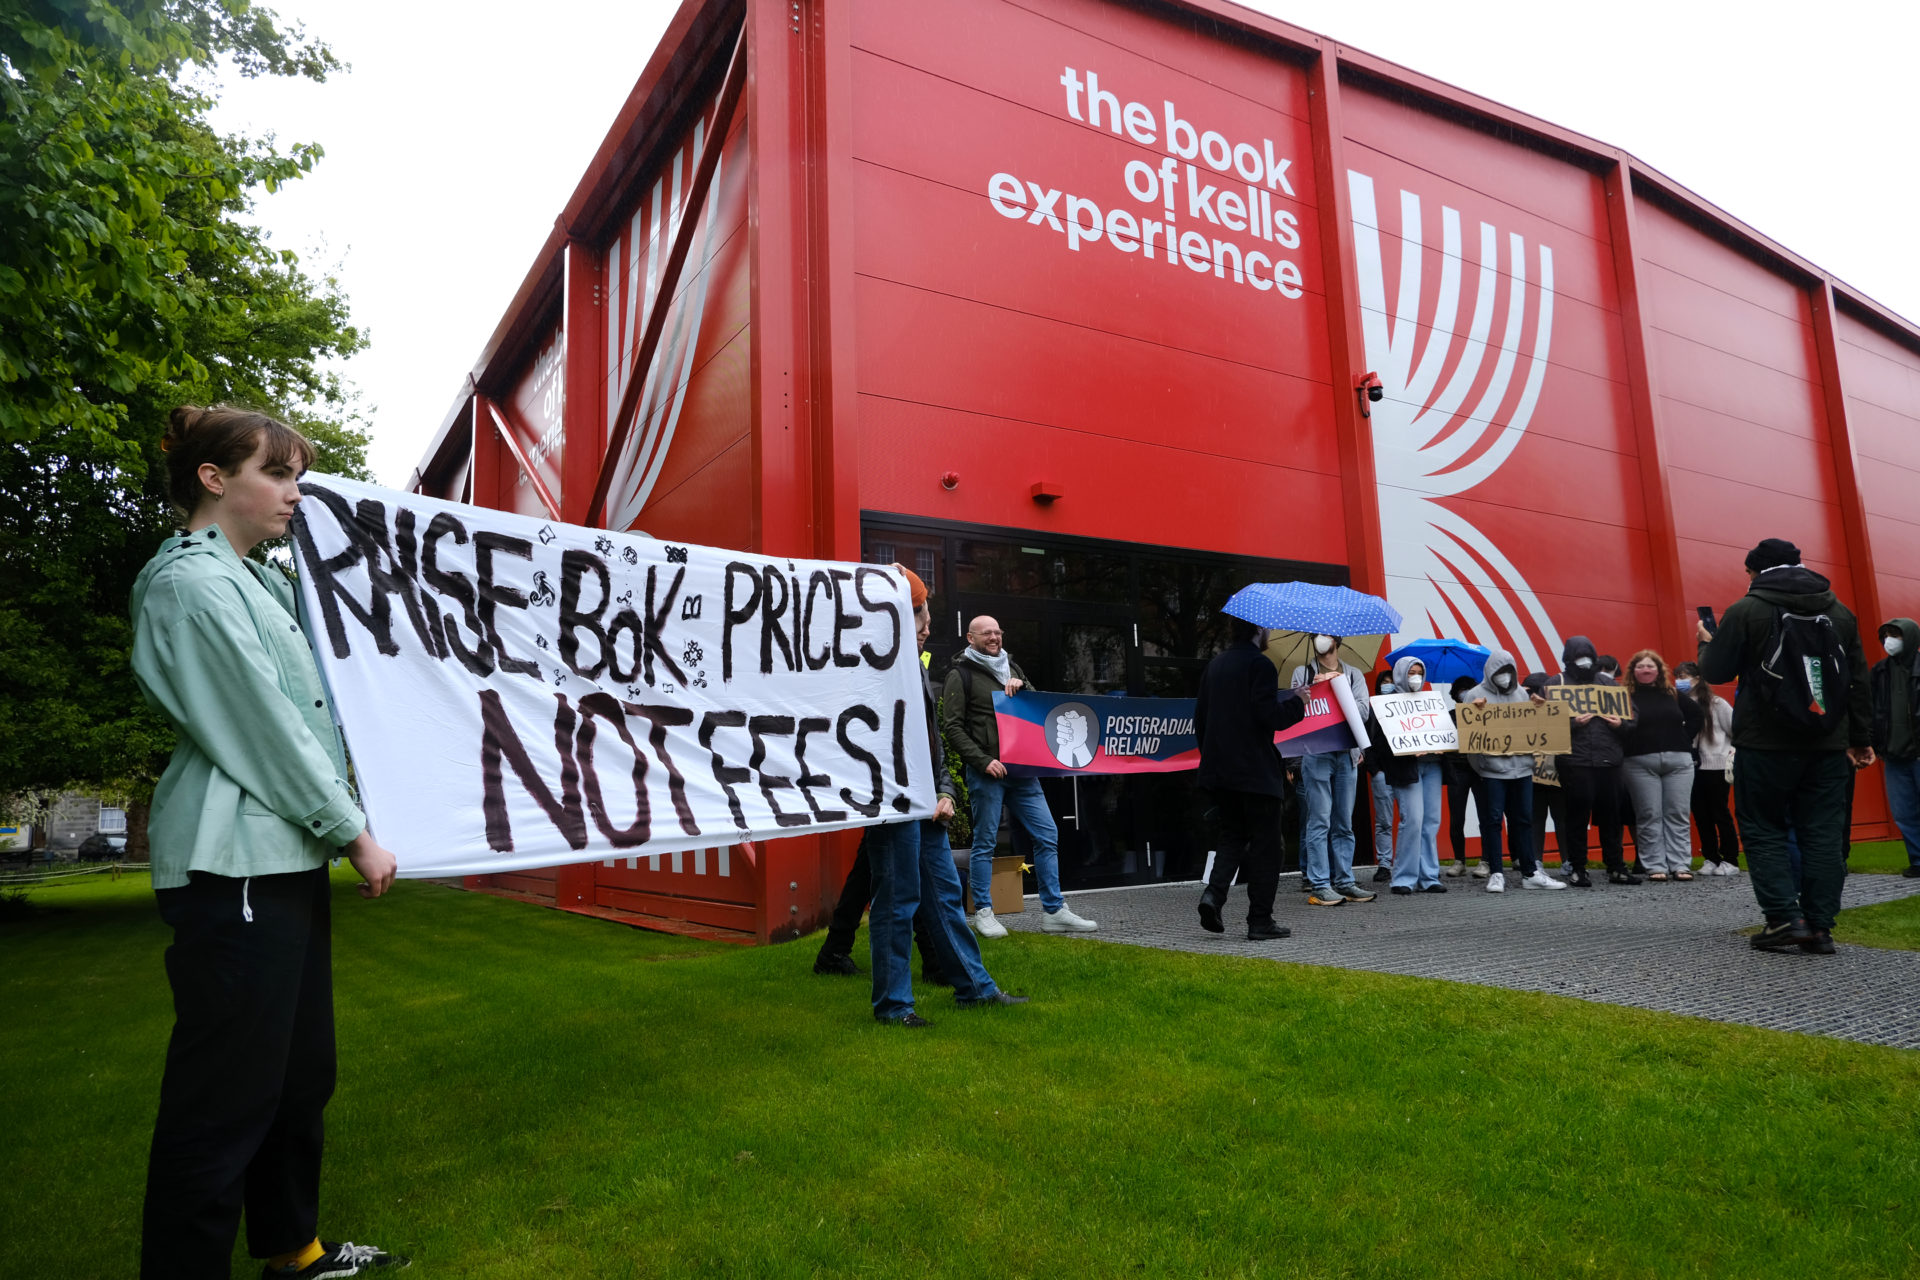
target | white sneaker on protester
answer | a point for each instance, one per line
(1480, 871)
(1064, 921)
(1455, 871)
(1496, 883)
(1541, 880)
(986, 926)
(1729, 869)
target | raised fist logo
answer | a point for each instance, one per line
(1072, 734)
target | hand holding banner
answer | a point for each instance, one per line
(517, 693)
(1324, 729)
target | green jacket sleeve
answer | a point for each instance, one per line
(953, 724)
(209, 674)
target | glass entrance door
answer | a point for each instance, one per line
(1096, 617)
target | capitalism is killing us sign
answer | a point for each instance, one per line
(517, 693)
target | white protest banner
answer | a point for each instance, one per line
(518, 693)
(1416, 722)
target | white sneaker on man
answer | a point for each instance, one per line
(1541, 880)
(1496, 883)
(986, 926)
(1064, 921)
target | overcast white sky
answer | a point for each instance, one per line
(462, 128)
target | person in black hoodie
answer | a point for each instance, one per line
(1239, 709)
(1785, 775)
(1463, 789)
(1546, 791)
(1896, 730)
(1590, 775)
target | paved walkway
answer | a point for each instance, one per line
(1674, 947)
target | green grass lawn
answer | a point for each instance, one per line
(1894, 925)
(530, 1094)
(1882, 857)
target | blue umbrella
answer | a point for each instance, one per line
(1445, 660)
(1309, 606)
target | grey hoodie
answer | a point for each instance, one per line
(1499, 766)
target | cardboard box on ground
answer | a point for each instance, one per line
(1009, 889)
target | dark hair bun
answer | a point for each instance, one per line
(226, 436)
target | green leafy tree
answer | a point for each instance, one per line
(129, 283)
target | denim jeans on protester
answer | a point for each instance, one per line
(1383, 843)
(1328, 780)
(1416, 854)
(909, 859)
(1903, 801)
(1023, 799)
(1508, 803)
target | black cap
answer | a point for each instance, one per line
(1772, 553)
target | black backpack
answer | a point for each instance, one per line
(1803, 669)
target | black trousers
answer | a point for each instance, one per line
(1555, 804)
(1247, 834)
(855, 894)
(1459, 791)
(1719, 840)
(1591, 796)
(249, 1070)
(1805, 793)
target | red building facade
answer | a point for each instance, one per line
(1067, 304)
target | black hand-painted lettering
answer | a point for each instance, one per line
(497, 740)
(865, 715)
(723, 773)
(454, 586)
(842, 620)
(771, 630)
(603, 706)
(405, 541)
(625, 623)
(370, 529)
(878, 661)
(733, 615)
(806, 781)
(575, 566)
(331, 591)
(494, 594)
(662, 718)
(655, 622)
(821, 578)
(759, 728)
(900, 802)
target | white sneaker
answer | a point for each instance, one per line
(1064, 921)
(1455, 871)
(1541, 880)
(1496, 883)
(1480, 871)
(1729, 869)
(986, 926)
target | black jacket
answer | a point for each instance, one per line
(1907, 664)
(1239, 710)
(1596, 744)
(942, 780)
(1737, 648)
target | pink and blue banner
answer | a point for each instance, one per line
(1053, 735)
(1326, 727)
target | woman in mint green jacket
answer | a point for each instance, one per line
(250, 810)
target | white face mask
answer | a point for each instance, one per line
(1585, 664)
(1893, 645)
(1323, 644)
(1414, 683)
(1503, 681)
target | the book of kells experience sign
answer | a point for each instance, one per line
(519, 693)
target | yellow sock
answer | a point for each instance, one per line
(298, 1259)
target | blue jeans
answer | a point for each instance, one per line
(908, 859)
(1903, 800)
(1328, 779)
(1383, 846)
(1507, 802)
(1416, 854)
(1022, 798)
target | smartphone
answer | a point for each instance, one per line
(1706, 619)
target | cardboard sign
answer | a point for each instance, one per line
(1055, 735)
(1593, 699)
(520, 693)
(1515, 728)
(1416, 722)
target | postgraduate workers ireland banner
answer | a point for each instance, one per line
(1053, 735)
(520, 693)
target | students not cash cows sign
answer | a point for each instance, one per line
(1416, 722)
(1514, 728)
(517, 693)
(1593, 699)
(1057, 735)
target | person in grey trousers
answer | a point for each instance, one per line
(1659, 768)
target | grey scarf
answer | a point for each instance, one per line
(1001, 668)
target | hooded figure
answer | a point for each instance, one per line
(1399, 771)
(1896, 691)
(1500, 682)
(1736, 650)
(1596, 744)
